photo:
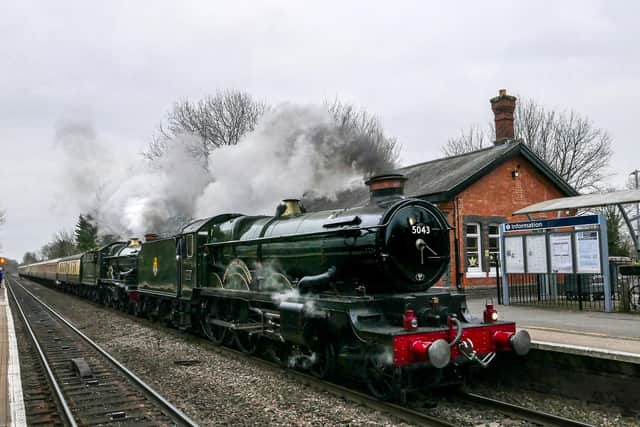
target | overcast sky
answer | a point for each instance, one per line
(427, 71)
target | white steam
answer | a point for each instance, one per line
(157, 196)
(294, 151)
(129, 197)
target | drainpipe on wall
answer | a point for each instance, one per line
(456, 244)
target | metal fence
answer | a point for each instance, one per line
(628, 281)
(577, 291)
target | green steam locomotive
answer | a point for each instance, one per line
(343, 292)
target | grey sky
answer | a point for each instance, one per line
(427, 71)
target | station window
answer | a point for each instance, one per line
(473, 248)
(189, 245)
(494, 244)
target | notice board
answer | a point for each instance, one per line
(588, 252)
(561, 252)
(514, 254)
(536, 253)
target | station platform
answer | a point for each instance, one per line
(11, 400)
(596, 334)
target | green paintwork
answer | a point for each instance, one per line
(309, 244)
(89, 267)
(165, 277)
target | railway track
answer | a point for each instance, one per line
(414, 416)
(89, 387)
(400, 412)
(405, 413)
(521, 412)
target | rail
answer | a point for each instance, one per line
(532, 415)
(398, 411)
(59, 397)
(171, 411)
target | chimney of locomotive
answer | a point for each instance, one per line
(503, 107)
(386, 186)
(289, 207)
(150, 237)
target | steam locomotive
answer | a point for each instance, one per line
(343, 292)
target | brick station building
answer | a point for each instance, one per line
(478, 191)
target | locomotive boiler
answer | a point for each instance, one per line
(390, 245)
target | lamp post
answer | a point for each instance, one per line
(635, 173)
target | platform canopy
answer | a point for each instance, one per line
(613, 198)
(580, 202)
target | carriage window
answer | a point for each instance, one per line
(472, 248)
(189, 245)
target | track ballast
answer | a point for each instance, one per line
(89, 386)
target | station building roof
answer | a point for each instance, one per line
(441, 179)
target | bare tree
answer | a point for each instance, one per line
(570, 143)
(216, 120)
(29, 258)
(474, 138)
(365, 135)
(63, 244)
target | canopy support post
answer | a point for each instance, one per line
(634, 237)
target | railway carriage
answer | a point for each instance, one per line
(44, 270)
(68, 271)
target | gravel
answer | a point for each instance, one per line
(590, 413)
(214, 388)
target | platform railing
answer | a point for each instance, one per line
(629, 283)
(577, 291)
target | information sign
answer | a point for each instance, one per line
(561, 253)
(542, 224)
(514, 254)
(536, 253)
(588, 249)
(552, 247)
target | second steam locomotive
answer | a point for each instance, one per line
(343, 292)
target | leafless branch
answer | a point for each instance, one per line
(216, 120)
(570, 143)
(475, 138)
(370, 147)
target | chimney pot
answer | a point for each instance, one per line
(387, 185)
(503, 107)
(149, 237)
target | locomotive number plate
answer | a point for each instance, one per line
(420, 229)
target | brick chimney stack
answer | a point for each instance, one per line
(503, 107)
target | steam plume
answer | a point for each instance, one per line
(294, 151)
(129, 197)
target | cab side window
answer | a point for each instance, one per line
(189, 245)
